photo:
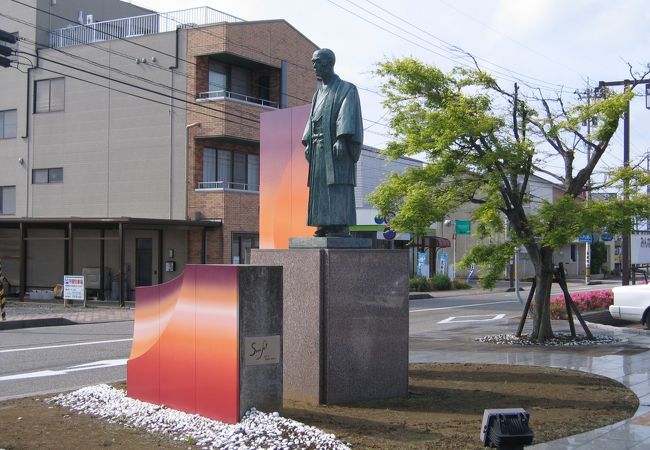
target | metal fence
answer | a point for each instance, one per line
(228, 185)
(215, 95)
(136, 26)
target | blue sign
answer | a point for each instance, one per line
(606, 236)
(389, 233)
(443, 263)
(387, 219)
(586, 238)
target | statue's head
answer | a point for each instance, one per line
(323, 61)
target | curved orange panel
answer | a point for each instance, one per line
(154, 308)
(185, 350)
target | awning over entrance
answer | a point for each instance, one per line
(435, 241)
(117, 226)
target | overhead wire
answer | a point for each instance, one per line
(453, 59)
(192, 63)
(251, 117)
(452, 48)
(201, 107)
(509, 38)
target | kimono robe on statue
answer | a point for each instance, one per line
(335, 113)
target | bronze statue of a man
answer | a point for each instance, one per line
(333, 138)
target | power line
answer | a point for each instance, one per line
(225, 118)
(126, 74)
(199, 29)
(454, 60)
(110, 68)
(508, 37)
(451, 47)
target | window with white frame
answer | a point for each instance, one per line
(8, 124)
(46, 176)
(50, 95)
(228, 169)
(7, 199)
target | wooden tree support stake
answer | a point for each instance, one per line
(571, 305)
(529, 300)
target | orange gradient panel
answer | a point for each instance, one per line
(185, 350)
(217, 348)
(283, 177)
(143, 367)
(178, 348)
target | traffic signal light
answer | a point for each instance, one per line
(5, 49)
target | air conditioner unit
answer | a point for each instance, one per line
(92, 278)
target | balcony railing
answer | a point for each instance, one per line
(228, 185)
(136, 26)
(218, 95)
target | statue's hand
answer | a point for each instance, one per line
(340, 148)
(307, 153)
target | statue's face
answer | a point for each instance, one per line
(323, 66)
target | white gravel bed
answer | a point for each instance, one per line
(560, 340)
(256, 430)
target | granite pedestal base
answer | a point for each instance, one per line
(345, 322)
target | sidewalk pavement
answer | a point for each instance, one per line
(43, 313)
(627, 362)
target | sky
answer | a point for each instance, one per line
(552, 45)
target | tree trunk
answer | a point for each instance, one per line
(542, 329)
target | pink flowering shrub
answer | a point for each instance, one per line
(585, 301)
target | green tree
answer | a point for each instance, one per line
(482, 145)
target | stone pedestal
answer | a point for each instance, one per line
(345, 322)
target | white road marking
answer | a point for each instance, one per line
(80, 367)
(11, 350)
(490, 317)
(462, 306)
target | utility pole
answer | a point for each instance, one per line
(628, 85)
(587, 93)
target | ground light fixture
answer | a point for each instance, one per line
(506, 429)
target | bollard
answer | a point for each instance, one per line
(3, 297)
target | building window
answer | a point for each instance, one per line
(574, 252)
(241, 247)
(217, 79)
(7, 199)
(8, 124)
(50, 95)
(226, 169)
(230, 81)
(46, 176)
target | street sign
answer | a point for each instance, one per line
(73, 287)
(463, 227)
(640, 249)
(586, 238)
(606, 236)
(389, 233)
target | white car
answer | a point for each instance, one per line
(632, 303)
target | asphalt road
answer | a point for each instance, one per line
(54, 359)
(460, 310)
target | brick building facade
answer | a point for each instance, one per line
(135, 148)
